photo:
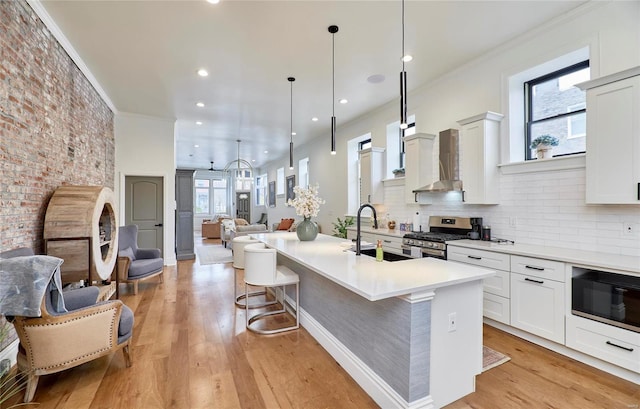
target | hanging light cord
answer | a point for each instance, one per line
(403, 35)
(333, 74)
(291, 114)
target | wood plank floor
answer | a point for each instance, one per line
(190, 350)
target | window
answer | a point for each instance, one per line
(220, 196)
(280, 181)
(202, 196)
(303, 173)
(554, 106)
(243, 179)
(365, 144)
(353, 172)
(210, 196)
(261, 190)
(395, 144)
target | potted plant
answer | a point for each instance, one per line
(398, 173)
(543, 145)
(340, 228)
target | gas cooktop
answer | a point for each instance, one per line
(434, 236)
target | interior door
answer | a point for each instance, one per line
(144, 206)
(243, 206)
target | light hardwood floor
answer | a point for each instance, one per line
(190, 350)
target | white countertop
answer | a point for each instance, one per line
(623, 264)
(364, 275)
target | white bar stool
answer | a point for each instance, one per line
(261, 269)
(238, 246)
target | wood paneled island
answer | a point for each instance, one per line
(409, 332)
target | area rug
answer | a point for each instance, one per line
(213, 254)
(491, 358)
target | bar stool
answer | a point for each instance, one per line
(261, 269)
(238, 246)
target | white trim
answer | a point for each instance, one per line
(566, 351)
(368, 380)
(39, 9)
(399, 181)
(11, 352)
(169, 206)
(546, 165)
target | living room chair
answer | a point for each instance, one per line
(136, 264)
(58, 330)
(261, 270)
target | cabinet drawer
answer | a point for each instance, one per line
(615, 345)
(497, 308)
(391, 244)
(550, 270)
(498, 284)
(489, 259)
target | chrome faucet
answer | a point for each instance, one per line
(375, 224)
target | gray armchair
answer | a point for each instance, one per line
(58, 330)
(135, 264)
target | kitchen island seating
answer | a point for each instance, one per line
(238, 245)
(261, 270)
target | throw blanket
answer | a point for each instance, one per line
(24, 281)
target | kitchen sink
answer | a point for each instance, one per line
(386, 256)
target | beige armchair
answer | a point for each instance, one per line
(70, 328)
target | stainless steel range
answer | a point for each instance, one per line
(441, 229)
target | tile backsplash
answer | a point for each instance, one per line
(543, 208)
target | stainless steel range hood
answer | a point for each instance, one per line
(449, 170)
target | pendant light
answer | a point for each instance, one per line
(403, 83)
(333, 30)
(291, 80)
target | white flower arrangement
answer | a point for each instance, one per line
(307, 202)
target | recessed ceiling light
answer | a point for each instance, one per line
(253, 160)
(407, 58)
(293, 133)
(200, 104)
(202, 72)
(343, 101)
(314, 119)
(266, 151)
(376, 78)
(198, 122)
(196, 146)
(213, 1)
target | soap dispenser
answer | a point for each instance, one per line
(379, 252)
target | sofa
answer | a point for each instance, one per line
(246, 230)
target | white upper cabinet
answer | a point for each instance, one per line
(613, 138)
(480, 146)
(418, 166)
(372, 167)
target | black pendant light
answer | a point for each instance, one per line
(403, 83)
(291, 79)
(333, 30)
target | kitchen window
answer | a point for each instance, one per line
(554, 106)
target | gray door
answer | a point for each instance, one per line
(144, 207)
(243, 206)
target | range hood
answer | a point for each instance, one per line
(448, 161)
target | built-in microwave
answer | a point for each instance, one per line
(607, 297)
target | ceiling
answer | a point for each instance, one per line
(145, 55)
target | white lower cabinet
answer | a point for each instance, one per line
(496, 304)
(616, 345)
(537, 306)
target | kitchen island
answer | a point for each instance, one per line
(409, 332)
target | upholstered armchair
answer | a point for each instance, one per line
(58, 330)
(135, 264)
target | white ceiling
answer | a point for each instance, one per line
(145, 55)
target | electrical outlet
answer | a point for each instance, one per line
(628, 228)
(453, 322)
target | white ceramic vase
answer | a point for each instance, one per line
(544, 151)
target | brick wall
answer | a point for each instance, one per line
(54, 127)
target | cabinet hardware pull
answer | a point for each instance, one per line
(534, 281)
(638, 190)
(535, 268)
(619, 346)
(475, 257)
(387, 241)
(158, 225)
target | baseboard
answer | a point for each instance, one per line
(372, 384)
(568, 352)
